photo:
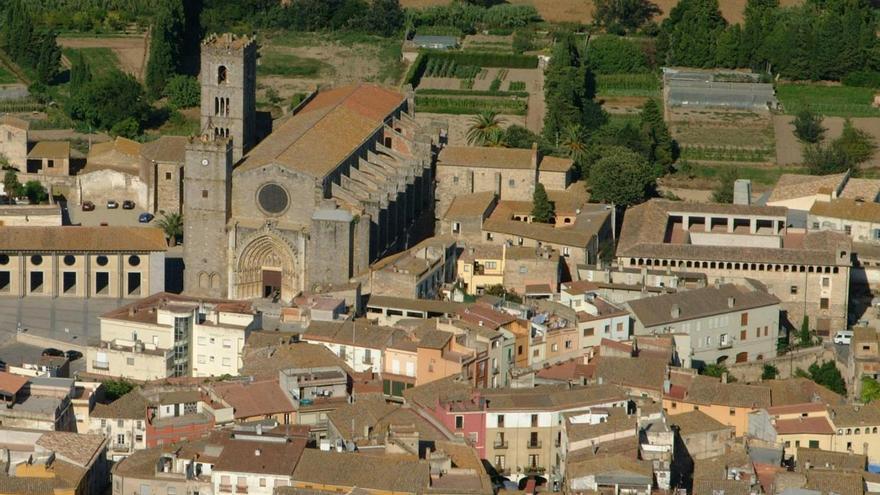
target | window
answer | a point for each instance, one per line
(533, 460)
(534, 422)
(227, 361)
(202, 340)
(221, 74)
(823, 303)
(129, 361)
(876, 234)
(459, 422)
(815, 225)
(826, 281)
(262, 481)
(675, 405)
(489, 236)
(793, 290)
(202, 359)
(455, 179)
(120, 423)
(554, 347)
(204, 193)
(120, 439)
(511, 183)
(499, 462)
(139, 438)
(566, 251)
(607, 329)
(847, 229)
(797, 443)
(744, 319)
(491, 265)
(103, 423)
(731, 412)
(227, 343)
(456, 227)
(523, 269)
(167, 175)
(742, 335)
(501, 421)
(536, 353)
(140, 425)
(568, 344)
(814, 444)
(619, 327)
(589, 332)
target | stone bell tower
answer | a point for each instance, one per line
(229, 85)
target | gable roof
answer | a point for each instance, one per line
(53, 239)
(58, 150)
(259, 398)
(132, 405)
(791, 186)
(393, 474)
(10, 384)
(847, 209)
(699, 303)
(326, 130)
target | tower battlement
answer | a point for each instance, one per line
(227, 42)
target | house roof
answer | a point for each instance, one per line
(248, 456)
(694, 422)
(427, 305)
(326, 130)
(618, 421)
(119, 153)
(356, 333)
(791, 186)
(393, 474)
(847, 209)
(859, 188)
(811, 425)
(644, 234)
(53, 150)
(132, 405)
(166, 149)
(146, 310)
(643, 372)
(551, 397)
(710, 391)
(89, 239)
(587, 224)
(798, 390)
(15, 122)
(470, 205)
(699, 303)
(10, 384)
(77, 448)
(617, 465)
(268, 360)
(826, 459)
(250, 399)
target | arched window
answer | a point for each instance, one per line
(216, 106)
(215, 281)
(221, 74)
(226, 107)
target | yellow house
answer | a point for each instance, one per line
(727, 403)
(480, 267)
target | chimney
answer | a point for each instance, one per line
(731, 301)
(675, 312)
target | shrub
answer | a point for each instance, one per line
(183, 91)
(495, 85)
(864, 79)
(613, 55)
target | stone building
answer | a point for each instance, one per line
(82, 262)
(712, 325)
(49, 158)
(510, 173)
(14, 140)
(162, 169)
(516, 268)
(808, 271)
(417, 273)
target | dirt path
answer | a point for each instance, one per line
(537, 108)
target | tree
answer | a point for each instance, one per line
(623, 15)
(760, 18)
(11, 185)
(808, 126)
(48, 57)
(517, 136)
(127, 128)
(482, 126)
(114, 389)
(498, 290)
(622, 177)
(108, 100)
(165, 46)
(385, 17)
(723, 192)
(714, 370)
(856, 145)
(35, 192)
(805, 338)
(523, 40)
(662, 150)
(689, 36)
(183, 91)
(80, 72)
(612, 54)
(574, 143)
(827, 375)
(870, 390)
(34, 48)
(172, 225)
(543, 209)
(569, 92)
(769, 372)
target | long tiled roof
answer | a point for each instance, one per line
(90, 239)
(826, 459)
(132, 405)
(326, 130)
(247, 456)
(250, 399)
(790, 186)
(699, 303)
(645, 227)
(799, 426)
(470, 205)
(694, 422)
(77, 448)
(355, 333)
(384, 473)
(847, 209)
(552, 397)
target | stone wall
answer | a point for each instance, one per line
(787, 364)
(103, 185)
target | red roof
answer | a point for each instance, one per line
(254, 399)
(796, 408)
(10, 384)
(817, 426)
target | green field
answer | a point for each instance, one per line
(6, 76)
(100, 60)
(837, 101)
(760, 175)
(290, 65)
(627, 85)
(470, 106)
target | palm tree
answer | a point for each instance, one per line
(574, 142)
(172, 224)
(482, 126)
(496, 139)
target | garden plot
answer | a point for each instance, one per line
(129, 53)
(789, 151)
(722, 136)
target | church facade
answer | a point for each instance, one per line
(346, 180)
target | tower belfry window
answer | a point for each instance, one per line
(221, 74)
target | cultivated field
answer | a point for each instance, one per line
(827, 99)
(130, 51)
(100, 60)
(720, 136)
(789, 151)
(582, 10)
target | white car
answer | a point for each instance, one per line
(112, 204)
(843, 337)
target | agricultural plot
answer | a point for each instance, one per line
(789, 151)
(6, 76)
(837, 101)
(488, 43)
(129, 52)
(626, 93)
(721, 136)
(100, 60)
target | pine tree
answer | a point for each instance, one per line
(662, 149)
(542, 209)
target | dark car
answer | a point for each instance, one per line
(88, 206)
(73, 355)
(51, 351)
(145, 217)
(128, 204)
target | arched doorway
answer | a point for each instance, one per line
(266, 267)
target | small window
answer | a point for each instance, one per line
(227, 343)
(566, 251)
(501, 421)
(511, 183)
(731, 411)
(120, 423)
(36, 260)
(221, 74)
(534, 420)
(847, 229)
(204, 193)
(793, 290)
(455, 179)
(459, 422)
(227, 361)
(823, 303)
(129, 361)
(826, 281)
(744, 319)
(167, 175)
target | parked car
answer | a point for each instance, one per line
(145, 217)
(112, 204)
(73, 355)
(51, 351)
(128, 204)
(843, 337)
(88, 206)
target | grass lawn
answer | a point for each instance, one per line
(100, 60)
(6, 76)
(760, 175)
(290, 65)
(839, 101)
(627, 85)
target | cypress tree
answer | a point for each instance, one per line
(165, 50)
(542, 208)
(80, 72)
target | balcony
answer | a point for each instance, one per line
(241, 489)
(100, 365)
(725, 344)
(533, 445)
(225, 488)
(120, 447)
(500, 444)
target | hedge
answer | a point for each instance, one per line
(465, 92)
(472, 106)
(480, 59)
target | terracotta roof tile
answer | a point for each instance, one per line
(259, 398)
(101, 239)
(790, 186)
(59, 150)
(795, 426)
(699, 303)
(10, 384)
(847, 209)
(383, 473)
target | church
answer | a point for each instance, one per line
(345, 180)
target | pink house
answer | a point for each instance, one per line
(466, 418)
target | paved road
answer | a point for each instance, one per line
(66, 320)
